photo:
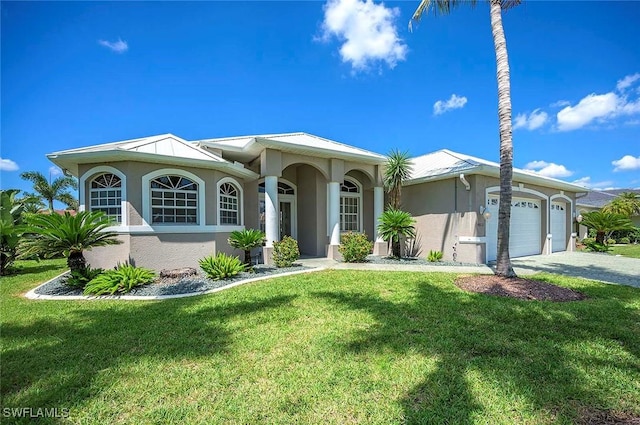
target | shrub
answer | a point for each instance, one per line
(392, 225)
(434, 256)
(625, 241)
(245, 240)
(80, 278)
(285, 252)
(122, 279)
(593, 245)
(221, 266)
(11, 228)
(611, 241)
(355, 247)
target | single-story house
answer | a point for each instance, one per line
(176, 201)
(595, 200)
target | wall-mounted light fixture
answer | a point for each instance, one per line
(484, 212)
(579, 218)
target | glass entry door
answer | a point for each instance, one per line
(286, 223)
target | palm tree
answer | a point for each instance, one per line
(245, 240)
(392, 225)
(627, 203)
(11, 228)
(32, 203)
(398, 169)
(52, 191)
(69, 235)
(503, 264)
(604, 222)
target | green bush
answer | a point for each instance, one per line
(611, 241)
(246, 240)
(625, 240)
(355, 247)
(434, 256)
(221, 266)
(285, 252)
(122, 279)
(80, 278)
(594, 246)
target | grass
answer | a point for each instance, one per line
(629, 250)
(327, 347)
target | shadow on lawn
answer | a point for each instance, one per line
(524, 350)
(56, 361)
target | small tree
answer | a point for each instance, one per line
(603, 223)
(246, 240)
(69, 235)
(394, 224)
(627, 204)
(53, 191)
(397, 170)
(11, 228)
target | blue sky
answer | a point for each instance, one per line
(82, 73)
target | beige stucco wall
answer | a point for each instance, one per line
(107, 257)
(445, 211)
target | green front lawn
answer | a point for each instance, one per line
(327, 347)
(629, 250)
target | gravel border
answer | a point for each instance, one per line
(415, 261)
(167, 288)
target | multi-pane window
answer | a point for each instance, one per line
(105, 194)
(174, 199)
(350, 199)
(283, 189)
(229, 204)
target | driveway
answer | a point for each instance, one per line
(602, 267)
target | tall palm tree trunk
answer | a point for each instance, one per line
(503, 266)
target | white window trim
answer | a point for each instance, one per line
(89, 175)
(353, 195)
(285, 198)
(146, 198)
(240, 190)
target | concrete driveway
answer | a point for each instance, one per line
(603, 267)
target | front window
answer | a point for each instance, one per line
(229, 213)
(350, 206)
(105, 195)
(174, 200)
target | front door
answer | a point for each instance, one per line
(286, 222)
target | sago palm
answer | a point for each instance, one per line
(246, 240)
(392, 225)
(503, 263)
(69, 235)
(397, 170)
(53, 191)
(604, 223)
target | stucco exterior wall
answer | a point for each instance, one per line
(107, 257)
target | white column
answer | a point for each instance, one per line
(271, 221)
(334, 212)
(378, 208)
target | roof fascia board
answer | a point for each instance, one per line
(328, 153)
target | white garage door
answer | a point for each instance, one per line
(526, 227)
(559, 226)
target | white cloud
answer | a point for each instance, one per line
(627, 81)
(367, 32)
(8, 165)
(535, 119)
(548, 169)
(560, 103)
(586, 182)
(55, 171)
(454, 102)
(627, 162)
(115, 46)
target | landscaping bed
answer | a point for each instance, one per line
(415, 261)
(171, 286)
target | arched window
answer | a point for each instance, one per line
(229, 204)
(350, 206)
(105, 194)
(174, 199)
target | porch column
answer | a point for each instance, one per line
(380, 246)
(271, 210)
(334, 219)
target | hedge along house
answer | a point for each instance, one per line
(454, 198)
(176, 201)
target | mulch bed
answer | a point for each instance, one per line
(604, 417)
(524, 289)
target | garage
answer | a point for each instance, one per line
(558, 226)
(526, 227)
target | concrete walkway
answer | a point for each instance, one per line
(601, 267)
